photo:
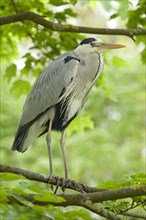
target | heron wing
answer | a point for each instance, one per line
(48, 87)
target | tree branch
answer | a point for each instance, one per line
(87, 200)
(93, 194)
(135, 215)
(100, 211)
(44, 178)
(83, 202)
(31, 16)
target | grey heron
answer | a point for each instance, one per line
(58, 95)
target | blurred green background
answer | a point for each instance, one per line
(106, 141)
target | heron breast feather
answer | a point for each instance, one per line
(74, 108)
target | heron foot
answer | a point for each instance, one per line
(56, 181)
(61, 182)
(72, 184)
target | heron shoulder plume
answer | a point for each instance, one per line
(67, 59)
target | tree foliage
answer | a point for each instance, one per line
(111, 131)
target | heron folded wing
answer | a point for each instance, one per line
(44, 94)
(48, 87)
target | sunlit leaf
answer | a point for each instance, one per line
(11, 72)
(73, 2)
(11, 176)
(80, 124)
(123, 9)
(143, 55)
(58, 3)
(20, 87)
(49, 197)
(139, 178)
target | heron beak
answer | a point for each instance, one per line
(111, 46)
(101, 47)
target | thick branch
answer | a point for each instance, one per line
(135, 215)
(95, 195)
(83, 202)
(68, 28)
(77, 199)
(44, 178)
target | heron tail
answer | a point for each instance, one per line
(19, 140)
(26, 135)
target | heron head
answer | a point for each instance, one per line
(94, 45)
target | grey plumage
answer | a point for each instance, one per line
(46, 93)
(60, 92)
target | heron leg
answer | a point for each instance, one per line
(62, 143)
(48, 140)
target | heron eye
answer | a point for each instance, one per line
(92, 44)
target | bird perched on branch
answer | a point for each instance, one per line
(58, 95)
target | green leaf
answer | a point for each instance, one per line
(73, 2)
(138, 178)
(134, 180)
(21, 199)
(10, 72)
(4, 198)
(143, 55)
(49, 197)
(115, 15)
(58, 2)
(70, 12)
(122, 12)
(79, 124)
(11, 176)
(20, 87)
(134, 18)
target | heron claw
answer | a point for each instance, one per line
(57, 184)
(65, 184)
(78, 186)
(50, 180)
(60, 181)
(73, 183)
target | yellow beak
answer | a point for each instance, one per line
(111, 46)
(101, 47)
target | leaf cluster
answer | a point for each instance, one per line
(15, 206)
(134, 17)
(16, 191)
(38, 45)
